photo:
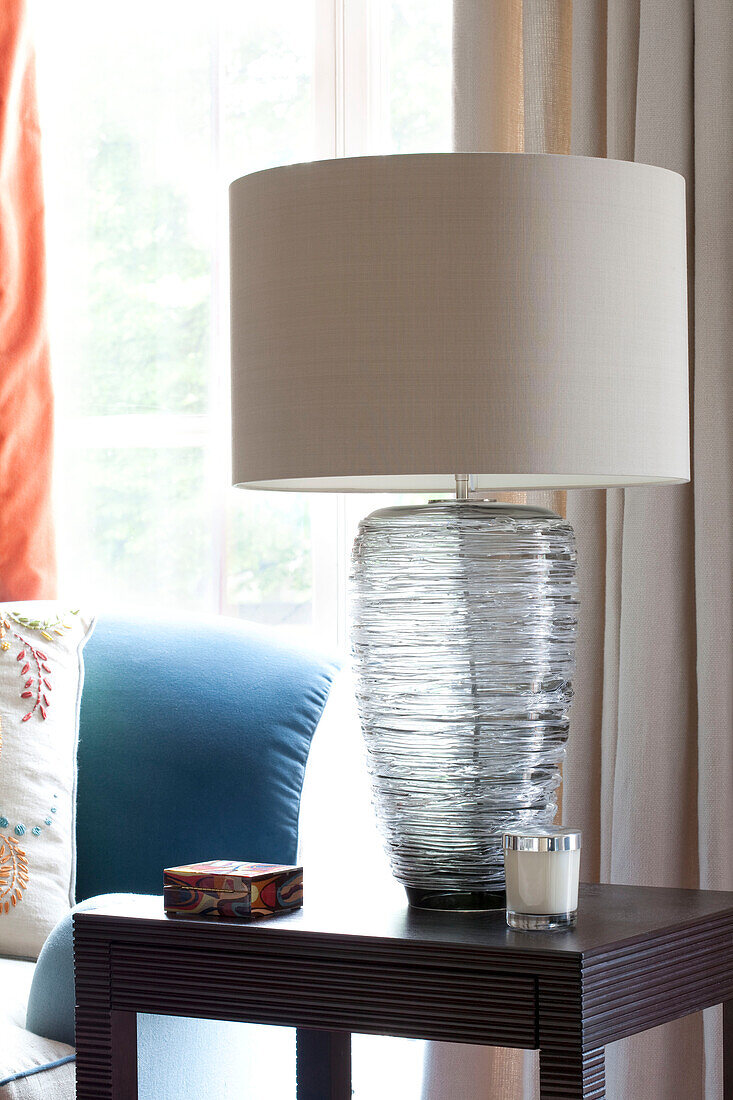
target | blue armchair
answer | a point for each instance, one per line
(194, 738)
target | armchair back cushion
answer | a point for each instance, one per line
(193, 741)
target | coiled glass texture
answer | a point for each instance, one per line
(464, 621)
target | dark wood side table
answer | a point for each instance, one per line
(638, 958)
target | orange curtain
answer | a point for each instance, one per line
(27, 552)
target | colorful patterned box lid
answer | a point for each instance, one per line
(223, 875)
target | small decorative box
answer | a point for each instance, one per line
(225, 888)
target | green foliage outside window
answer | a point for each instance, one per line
(146, 340)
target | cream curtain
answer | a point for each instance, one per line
(649, 775)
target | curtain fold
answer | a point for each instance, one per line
(637, 558)
(27, 548)
(488, 77)
(649, 774)
(712, 213)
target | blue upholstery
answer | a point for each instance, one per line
(193, 744)
(52, 998)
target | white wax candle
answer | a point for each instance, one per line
(542, 882)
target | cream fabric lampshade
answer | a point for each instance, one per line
(397, 320)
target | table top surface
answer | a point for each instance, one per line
(608, 918)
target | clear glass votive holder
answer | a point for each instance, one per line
(542, 869)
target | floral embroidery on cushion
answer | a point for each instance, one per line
(13, 873)
(35, 670)
(46, 627)
(34, 662)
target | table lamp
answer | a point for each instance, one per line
(468, 323)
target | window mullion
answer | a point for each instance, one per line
(364, 80)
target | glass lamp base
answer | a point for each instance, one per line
(541, 922)
(464, 620)
(457, 901)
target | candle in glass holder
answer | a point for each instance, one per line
(542, 871)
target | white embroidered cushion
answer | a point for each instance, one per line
(41, 678)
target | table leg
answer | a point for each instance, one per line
(106, 1039)
(323, 1065)
(570, 1075)
(106, 1054)
(123, 1028)
(727, 1050)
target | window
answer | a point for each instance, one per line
(148, 111)
(167, 103)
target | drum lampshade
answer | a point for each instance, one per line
(397, 320)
